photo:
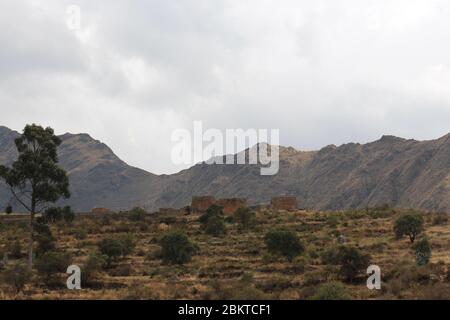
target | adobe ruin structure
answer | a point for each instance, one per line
(284, 203)
(202, 203)
(230, 205)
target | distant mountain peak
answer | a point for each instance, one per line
(393, 170)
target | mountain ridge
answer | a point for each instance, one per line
(393, 170)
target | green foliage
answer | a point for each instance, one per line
(212, 221)
(93, 266)
(352, 262)
(68, 214)
(423, 252)
(285, 243)
(330, 256)
(215, 226)
(16, 276)
(410, 224)
(331, 291)
(212, 211)
(176, 247)
(9, 208)
(52, 215)
(44, 237)
(35, 178)
(137, 214)
(52, 263)
(55, 214)
(115, 248)
(245, 217)
(384, 211)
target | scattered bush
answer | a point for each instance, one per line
(16, 276)
(93, 266)
(285, 243)
(176, 247)
(352, 262)
(215, 226)
(52, 263)
(115, 248)
(330, 256)
(410, 224)
(137, 214)
(245, 217)
(440, 219)
(8, 209)
(385, 211)
(45, 239)
(55, 214)
(331, 291)
(423, 252)
(212, 211)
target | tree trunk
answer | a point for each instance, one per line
(31, 239)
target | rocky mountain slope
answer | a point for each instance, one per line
(404, 173)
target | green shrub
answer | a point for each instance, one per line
(331, 291)
(9, 209)
(55, 214)
(410, 224)
(212, 211)
(52, 215)
(68, 214)
(115, 248)
(215, 226)
(245, 217)
(45, 239)
(385, 211)
(52, 263)
(352, 262)
(285, 243)
(330, 256)
(422, 252)
(137, 214)
(93, 266)
(176, 247)
(16, 276)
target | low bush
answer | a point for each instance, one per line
(176, 247)
(285, 243)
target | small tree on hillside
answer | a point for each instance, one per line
(176, 247)
(285, 243)
(35, 179)
(352, 262)
(212, 211)
(245, 217)
(16, 276)
(423, 252)
(409, 224)
(215, 226)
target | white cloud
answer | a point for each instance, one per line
(321, 71)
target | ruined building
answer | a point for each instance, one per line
(284, 203)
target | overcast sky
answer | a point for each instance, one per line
(323, 72)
